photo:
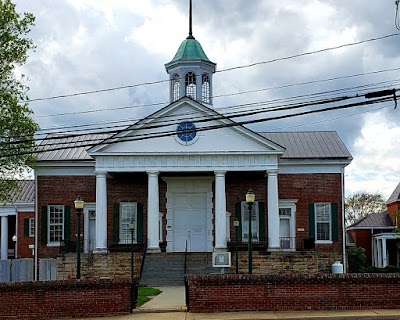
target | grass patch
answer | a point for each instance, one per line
(145, 293)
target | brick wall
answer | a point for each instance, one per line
(392, 208)
(221, 293)
(64, 299)
(63, 190)
(306, 188)
(24, 241)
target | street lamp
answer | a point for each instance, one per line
(133, 282)
(250, 196)
(14, 238)
(236, 224)
(79, 205)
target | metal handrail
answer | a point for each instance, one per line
(143, 258)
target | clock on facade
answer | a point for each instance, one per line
(186, 132)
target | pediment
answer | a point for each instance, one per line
(213, 134)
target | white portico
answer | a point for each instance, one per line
(190, 169)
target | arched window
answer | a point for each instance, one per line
(175, 87)
(190, 85)
(205, 88)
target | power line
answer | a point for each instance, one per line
(212, 127)
(219, 96)
(219, 71)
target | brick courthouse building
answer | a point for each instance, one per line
(181, 175)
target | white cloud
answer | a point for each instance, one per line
(376, 163)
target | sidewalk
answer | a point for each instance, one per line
(281, 315)
(170, 305)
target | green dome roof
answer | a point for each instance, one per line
(189, 50)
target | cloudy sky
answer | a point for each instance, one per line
(99, 44)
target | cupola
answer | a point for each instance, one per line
(190, 70)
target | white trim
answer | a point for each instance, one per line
(55, 243)
(65, 170)
(323, 241)
(319, 167)
(316, 223)
(289, 204)
(88, 206)
(188, 163)
(135, 216)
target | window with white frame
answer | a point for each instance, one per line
(31, 227)
(323, 221)
(205, 88)
(254, 221)
(55, 222)
(190, 85)
(128, 215)
(175, 87)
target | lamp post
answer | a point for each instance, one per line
(14, 238)
(236, 224)
(133, 282)
(79, 205)
(250, 196)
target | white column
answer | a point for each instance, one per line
(374, 253)
(101, 212)
(378, 242)
(384, 253)
(273, 210)
(4, 237)
(153, 209)
(220, 212)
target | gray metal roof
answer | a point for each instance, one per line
(311, 144)
(372, 221)
(299, 145)
(395, 196)
(65, 148)
(23, 193)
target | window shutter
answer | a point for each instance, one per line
(335, 224)
(26, 227)
(311, 220)
(238, 215)
(67, 223)
(261, 219)
(139, 222)
(116, 223)
(43, 233)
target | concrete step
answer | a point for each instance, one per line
(162, 269)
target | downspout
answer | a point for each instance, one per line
(36, 229)
(343, 224)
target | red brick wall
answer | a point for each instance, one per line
(63, 190)
(306, 188)
(362, 238)
(24, 241)
(392, 208)
(221, 293)
(64, 299)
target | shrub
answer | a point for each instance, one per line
(356, 259)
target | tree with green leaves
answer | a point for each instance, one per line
(360, 204)
(17, 129)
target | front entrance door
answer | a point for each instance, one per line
(89, 228)
(287, 220)
(189, 221)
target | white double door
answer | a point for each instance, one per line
(189, 222)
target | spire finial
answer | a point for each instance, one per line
(190, 36)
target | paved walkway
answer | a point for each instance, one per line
(170, 305)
